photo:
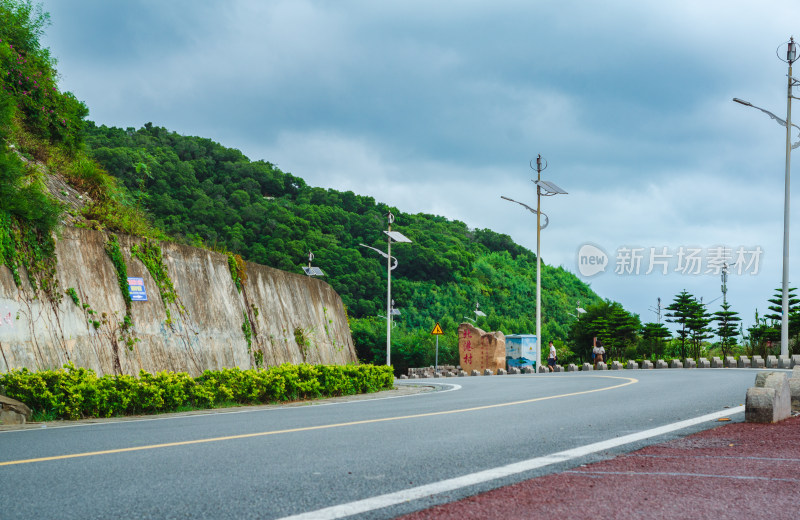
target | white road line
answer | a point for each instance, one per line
(406, 495)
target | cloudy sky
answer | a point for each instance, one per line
(439, 107)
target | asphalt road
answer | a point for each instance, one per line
(281, 461)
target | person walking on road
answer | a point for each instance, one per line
(551, 359)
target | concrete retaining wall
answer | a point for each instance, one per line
(293, 318)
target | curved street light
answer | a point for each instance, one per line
(397, 237)
(547, 189)
(791, 57)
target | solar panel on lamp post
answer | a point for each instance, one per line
(547, 189)
(791, 57)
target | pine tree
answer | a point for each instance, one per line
(727, 321)
(681, 311)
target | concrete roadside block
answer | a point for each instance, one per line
(632, 365)
(647, 364)
(527, 370)
(703, 363)
(757, 362)
(784, 362)
(514, 370)
(795, 360)
(794, 388)
(13, 411)
(462, 373)
(769, 400)
(587, 366)
(716, 362)
(501, 372)
(730, 362)
(572, 368)
(661, 364)
(676, 363)
(689, 363)
(559, 368)
(474, 373)
(403, 376)
(772, 362)
(487, 372)
(543, 369)
(743, 362)
(602, 366)
(616, 365)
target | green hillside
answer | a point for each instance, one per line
(155, 183)
(211, 195)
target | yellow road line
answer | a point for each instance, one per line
(629, 381)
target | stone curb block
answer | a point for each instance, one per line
(794, 388)
(572, 368)
(462, 373)
(514, 370)
(784, 362)
(632, 365)
(716, 362)
(757, 362)
(474, 373)
(602, 366)
(661, 364)
(730, 362)
(616, 365)
(647, 364)
(587, 366)
(743, 362)
(676, 363)
(769, 400)
(13, 411)
(689, 363)
(703, 363)
(501, 372)
(772, 362)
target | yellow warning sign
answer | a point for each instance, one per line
(437, 330)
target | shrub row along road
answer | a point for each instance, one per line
(374, 458)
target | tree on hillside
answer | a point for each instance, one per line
(680, 311)
(727, 327)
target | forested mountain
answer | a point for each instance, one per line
(158, 184)
(215, 196)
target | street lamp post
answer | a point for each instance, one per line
(397, 237)
(791, 57)
(543, 188)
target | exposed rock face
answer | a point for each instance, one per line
(277, 317)
(479, 350)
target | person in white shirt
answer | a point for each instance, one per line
(551, 359)
(599, 353)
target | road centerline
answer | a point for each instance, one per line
(626, 381)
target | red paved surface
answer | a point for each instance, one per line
(735, 471)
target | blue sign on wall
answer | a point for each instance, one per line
(137, 290)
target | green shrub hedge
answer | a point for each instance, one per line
(75, 393)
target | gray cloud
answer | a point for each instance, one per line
(439, 107)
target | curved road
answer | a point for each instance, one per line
(375, 458)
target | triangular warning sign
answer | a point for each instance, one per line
(437, 330)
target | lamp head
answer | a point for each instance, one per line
(791, 51)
